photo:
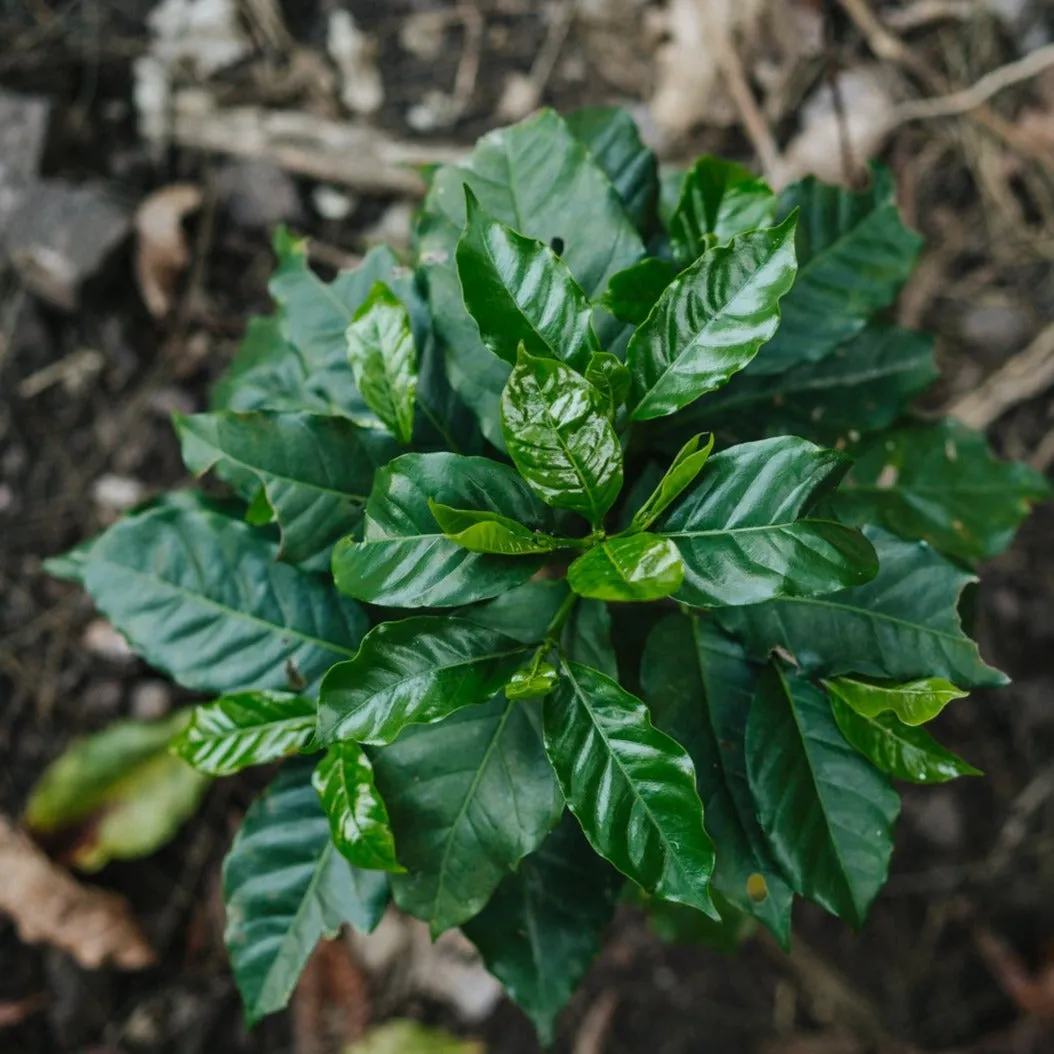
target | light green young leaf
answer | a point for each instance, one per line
(487, 532)
(608, 374)
(414, 672)
(632, 567)
(914, 702)
(246, 728)
(560, 438)
(535, 680)
(630, 786)
(905, 752)
(711, 320)
(358, 819)
(411, 1037)
(679, 476)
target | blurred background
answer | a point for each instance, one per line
(148, 149)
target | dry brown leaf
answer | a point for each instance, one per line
(331, 1004)
(1032, 992)
(162, 254)
(49, 906)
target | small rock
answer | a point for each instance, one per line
(436, 110)
(114, 493)
(520, 96)
(151, 700)
(100, 638)
(258, 194)
(332, 204)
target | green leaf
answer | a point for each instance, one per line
(117, 794)
(613, 139)
(699, 687)
(631, 294)
(316, 472)
(710, 321)
(560, 438)
(827, 813)
(939, 482)
(384, 360)
(358, 819)
(414, 672)
(902, 625)
(538, 678)
(632, 567)
(70, 565)
(286, 887)
(246, 728)
(587, 637)
(202, 597)
(487, 532)
(914, 703)
(469, 798)
(631, 787)
(404, 559)
(904, 752)
(676, 924)
(544, 924)
(411, 1037)
(718, 198)
(853, 256)
(608, 374)
(745, 534)
(519, 291)
(679, 476)
(524, 613)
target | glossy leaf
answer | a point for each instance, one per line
(679, 476)
(699, 686)
(827, 813)
(613, 140)
(286, 887)
(404, 559)
(902, 625)
(631, 787)
(633, 567)
(587, 638)
(519, 291)
(913, 703)
(358, 819)
(384, 360)
(854, 253)
(905, 752)
(710, 321)
(631, 294)
(544, 924)
(316, 472)
(202, 597)
(608, 374)
(246, 728)
(524, 613)
(745, 533)
(560, 438)
(939, 482)
(487, 532)
(411, 1037)
(117, 794)
(533, 681)
(718, 198)
(413, 672)
(469, 798)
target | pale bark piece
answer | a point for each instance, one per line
(49, 906)
(162, 253)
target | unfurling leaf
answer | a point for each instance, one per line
(487, 532)
(679, 476)
(608, 374)
(538, 678)
(914, 703)
(631, 567)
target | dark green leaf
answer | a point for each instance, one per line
(903, 624)
(608, 374)
(413, 672)
(469, 798)
(631, 567)
(286, 887)
(676, 924)
(611, 136)
(202, 597)
(679, 476)
(744, 531)
(404, 560)
(853, 256)
(246, 728)
(487, 532)
(827, 813)
(903, 751)
(523, 613)
(718, 198)
(939, 482)
(699, 687)
(710, 321)
(316, 472)
(560, 438)
(358, 820)
(631, 787)
(544, 924)
(519, 291)
(631, 294)
(914, 703)
(587, 637)
(384, 360)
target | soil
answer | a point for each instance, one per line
(974, 859)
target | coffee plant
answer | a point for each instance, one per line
(595, 553)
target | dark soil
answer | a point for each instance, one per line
(973, 857)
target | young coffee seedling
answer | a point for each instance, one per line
(595, 554)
